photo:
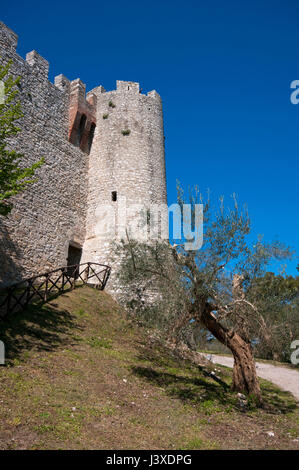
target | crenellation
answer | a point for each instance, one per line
(123, 86)
(78, 88)
(8, 37)
(154, 94)
(62, 83)
(91, 99)
(97, 90)
(41, 65)
(82, 115)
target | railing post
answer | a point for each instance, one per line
(74, 279)
(46, 290)
(106, 277)
(62, 286)
(77, 272)
(27, 293)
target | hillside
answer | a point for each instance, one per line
(80, 375)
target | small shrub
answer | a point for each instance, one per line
(105, 116)
(108, 410)
(194, 444)
(126, 132)
(111, 104)
(99, 343)
(80, 312)
(252, 402)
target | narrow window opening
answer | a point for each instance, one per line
(91, 136)
(114, 196)
(81, 129)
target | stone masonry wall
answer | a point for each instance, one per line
(131, 165)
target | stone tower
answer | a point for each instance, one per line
(126, 162)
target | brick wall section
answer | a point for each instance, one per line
(80, 107)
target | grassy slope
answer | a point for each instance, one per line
(79, 375)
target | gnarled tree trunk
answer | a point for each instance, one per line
(244, 372)
(245, 378)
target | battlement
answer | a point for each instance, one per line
(154, 94)
(82, 107)
(80, 102)
(62, 83)
(127, 86)
(41, 65)
(82, 115)
(8, 37)
(9, 42)
(133, 87)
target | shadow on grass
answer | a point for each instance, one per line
(277, 401)
(193, 390)
(39, 327)
(194, 385)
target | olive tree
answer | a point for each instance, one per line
(277, 300)
(211, 286)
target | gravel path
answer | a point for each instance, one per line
(285, 378)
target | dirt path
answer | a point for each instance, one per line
(285, 378)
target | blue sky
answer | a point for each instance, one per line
(223, 69)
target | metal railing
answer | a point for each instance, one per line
(43, 286)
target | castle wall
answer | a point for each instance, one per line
(51, 212)
(125, 156)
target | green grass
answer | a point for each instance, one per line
(194, 444)
(80, 375)
(96, 342)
